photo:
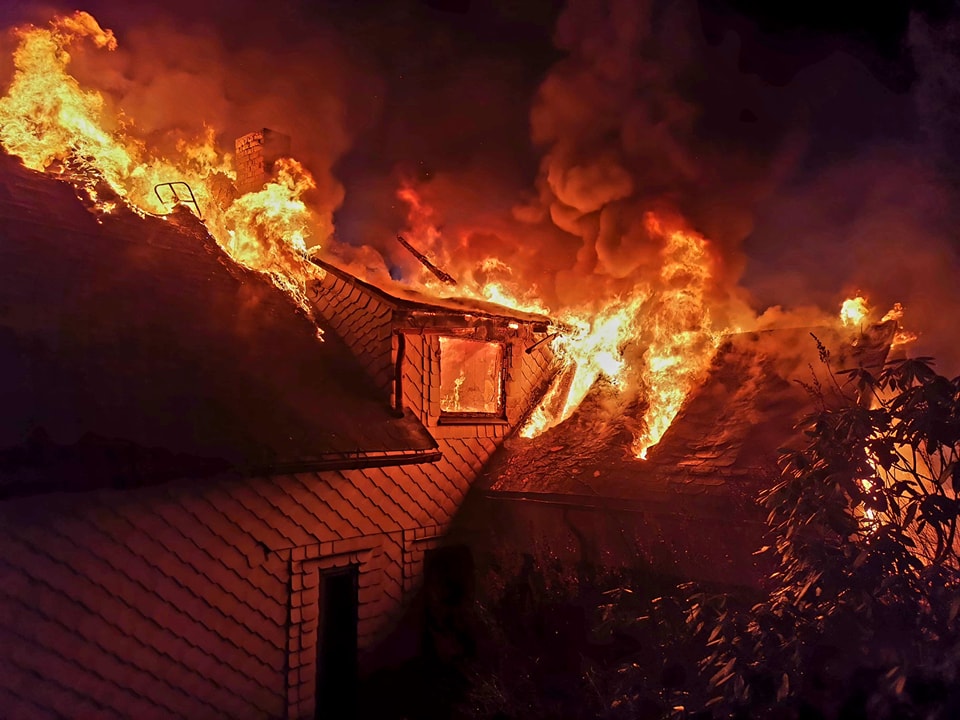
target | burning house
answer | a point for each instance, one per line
(207, 510)
(228, 456)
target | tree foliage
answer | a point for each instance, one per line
(861, 619)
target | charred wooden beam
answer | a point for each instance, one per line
(443, 276)
(540, 342)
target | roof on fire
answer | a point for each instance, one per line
(132, 350)
(405, 299)
(723, 442)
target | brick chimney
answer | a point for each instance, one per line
(256, 154)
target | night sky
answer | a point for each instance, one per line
(813, 142)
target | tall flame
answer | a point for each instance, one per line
(668, 327)
(50, 122)
(655, 340)
(682, 341)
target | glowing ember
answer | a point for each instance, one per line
(869, 520)
(49, 121)
(902, 336)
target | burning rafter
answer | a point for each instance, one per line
(425, 261)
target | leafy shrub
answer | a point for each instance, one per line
(861, 619)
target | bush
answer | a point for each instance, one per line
(861, 619)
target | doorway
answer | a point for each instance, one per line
(336, 695)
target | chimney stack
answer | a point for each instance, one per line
(256, 154)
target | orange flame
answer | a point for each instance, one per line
(853, 311)
(682, 341)
(657, 340)
(669, 329)
(856, 310)
(48, 120)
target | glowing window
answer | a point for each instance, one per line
(471, 377)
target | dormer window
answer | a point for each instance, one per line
(471, 380)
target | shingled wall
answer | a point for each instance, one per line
(200, 598)
(193, 600)
(363, 320)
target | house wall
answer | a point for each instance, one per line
(201, 598)
(439, 489)
(192, 599)
(430, 494)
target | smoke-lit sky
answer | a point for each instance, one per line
(815, 146)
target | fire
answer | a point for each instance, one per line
(52, 123)
(506, 290)
(589, 347)
(856, 310)
(654, 341)
(667, 328)
(853, 311)
(683, 342)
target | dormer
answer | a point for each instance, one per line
(452, 362)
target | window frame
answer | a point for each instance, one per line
(499, 417)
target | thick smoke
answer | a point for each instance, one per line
(624, 124)
(182, 71)
(877, 210)
(811, 175)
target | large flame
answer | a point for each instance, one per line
(853, 311)
(50, 122)
(656, 340)
(681, 341)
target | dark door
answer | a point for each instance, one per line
(337, 646)
(448, 598)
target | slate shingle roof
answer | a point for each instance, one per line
(133, 349)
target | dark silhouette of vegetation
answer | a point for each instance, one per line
(861, 620)
(555, 648)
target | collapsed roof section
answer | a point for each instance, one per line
(133, 350)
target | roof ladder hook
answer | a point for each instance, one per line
(177, 199)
